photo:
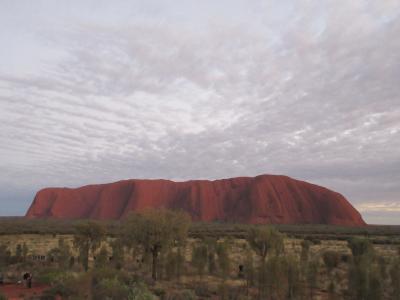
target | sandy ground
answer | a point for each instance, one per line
(19, 291)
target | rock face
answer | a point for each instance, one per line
(266, 199)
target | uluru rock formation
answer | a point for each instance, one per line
(265, 199)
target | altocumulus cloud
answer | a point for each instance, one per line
(95, 92)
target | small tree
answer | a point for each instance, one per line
(118, 253)
(223, 258)
(265, 239)
(294, 287)
(360, 247)
(199, 258)
(24, 251)
(249, 271)
(365, 281)
(18, 253)
(156, 231)
(305, 249)
(5, 256)
(312, 276)
(61, 254)
(88, 237)
(101, 258)
(331, 260)
(211, 244)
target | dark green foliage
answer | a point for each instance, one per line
(61, 255)
(101, 258)
(156, 231)
(331, 260)
(18, 253)
(110, 288)
(211, 244)
(174, 264)
(5, 256)
(365, 273)
(394, 273)
(181, 295)
(365, 282)
(265, 239)
(249, 271)
(223, 258)
(139, 291)
(273, 278)
(87, 238)
(279, 278)
(312, 269)
(199, 258)
(24, 251)
(382, 267)
(360, 247)
(375, 286)
(64, 285)
(294, 287)
(118, 253)
(305, 249)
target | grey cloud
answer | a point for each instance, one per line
(306, 89)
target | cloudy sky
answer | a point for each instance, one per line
(98, 91)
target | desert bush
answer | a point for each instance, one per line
(110, 288)
(331, 260)
(156, 231)
(18, 253)
(5, 256)
(181, 295)
(61, 254)
(87, 239)
(118, 253)
(365, 281)
(67, 286)
(101, 258)
(174, 264)
(294, 286)
(360, 247)
(50, 275)
(249, 271)
(265, 239)
(312, 276)
(199, 258)
(394, 273)
(305, 249)
(272, 278)
(223, 258)
(211, 244)
(99, 274)
(202, 290)
(139, 291)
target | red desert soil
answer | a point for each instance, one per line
(264, 199)
(20, 291)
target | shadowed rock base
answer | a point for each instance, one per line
(265, 199)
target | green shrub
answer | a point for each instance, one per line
(50, 276)
(110, 289)
(139, 291)
(395, 279)
(181, 295)
(331, 259)
(360, 247)
(199, 258)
